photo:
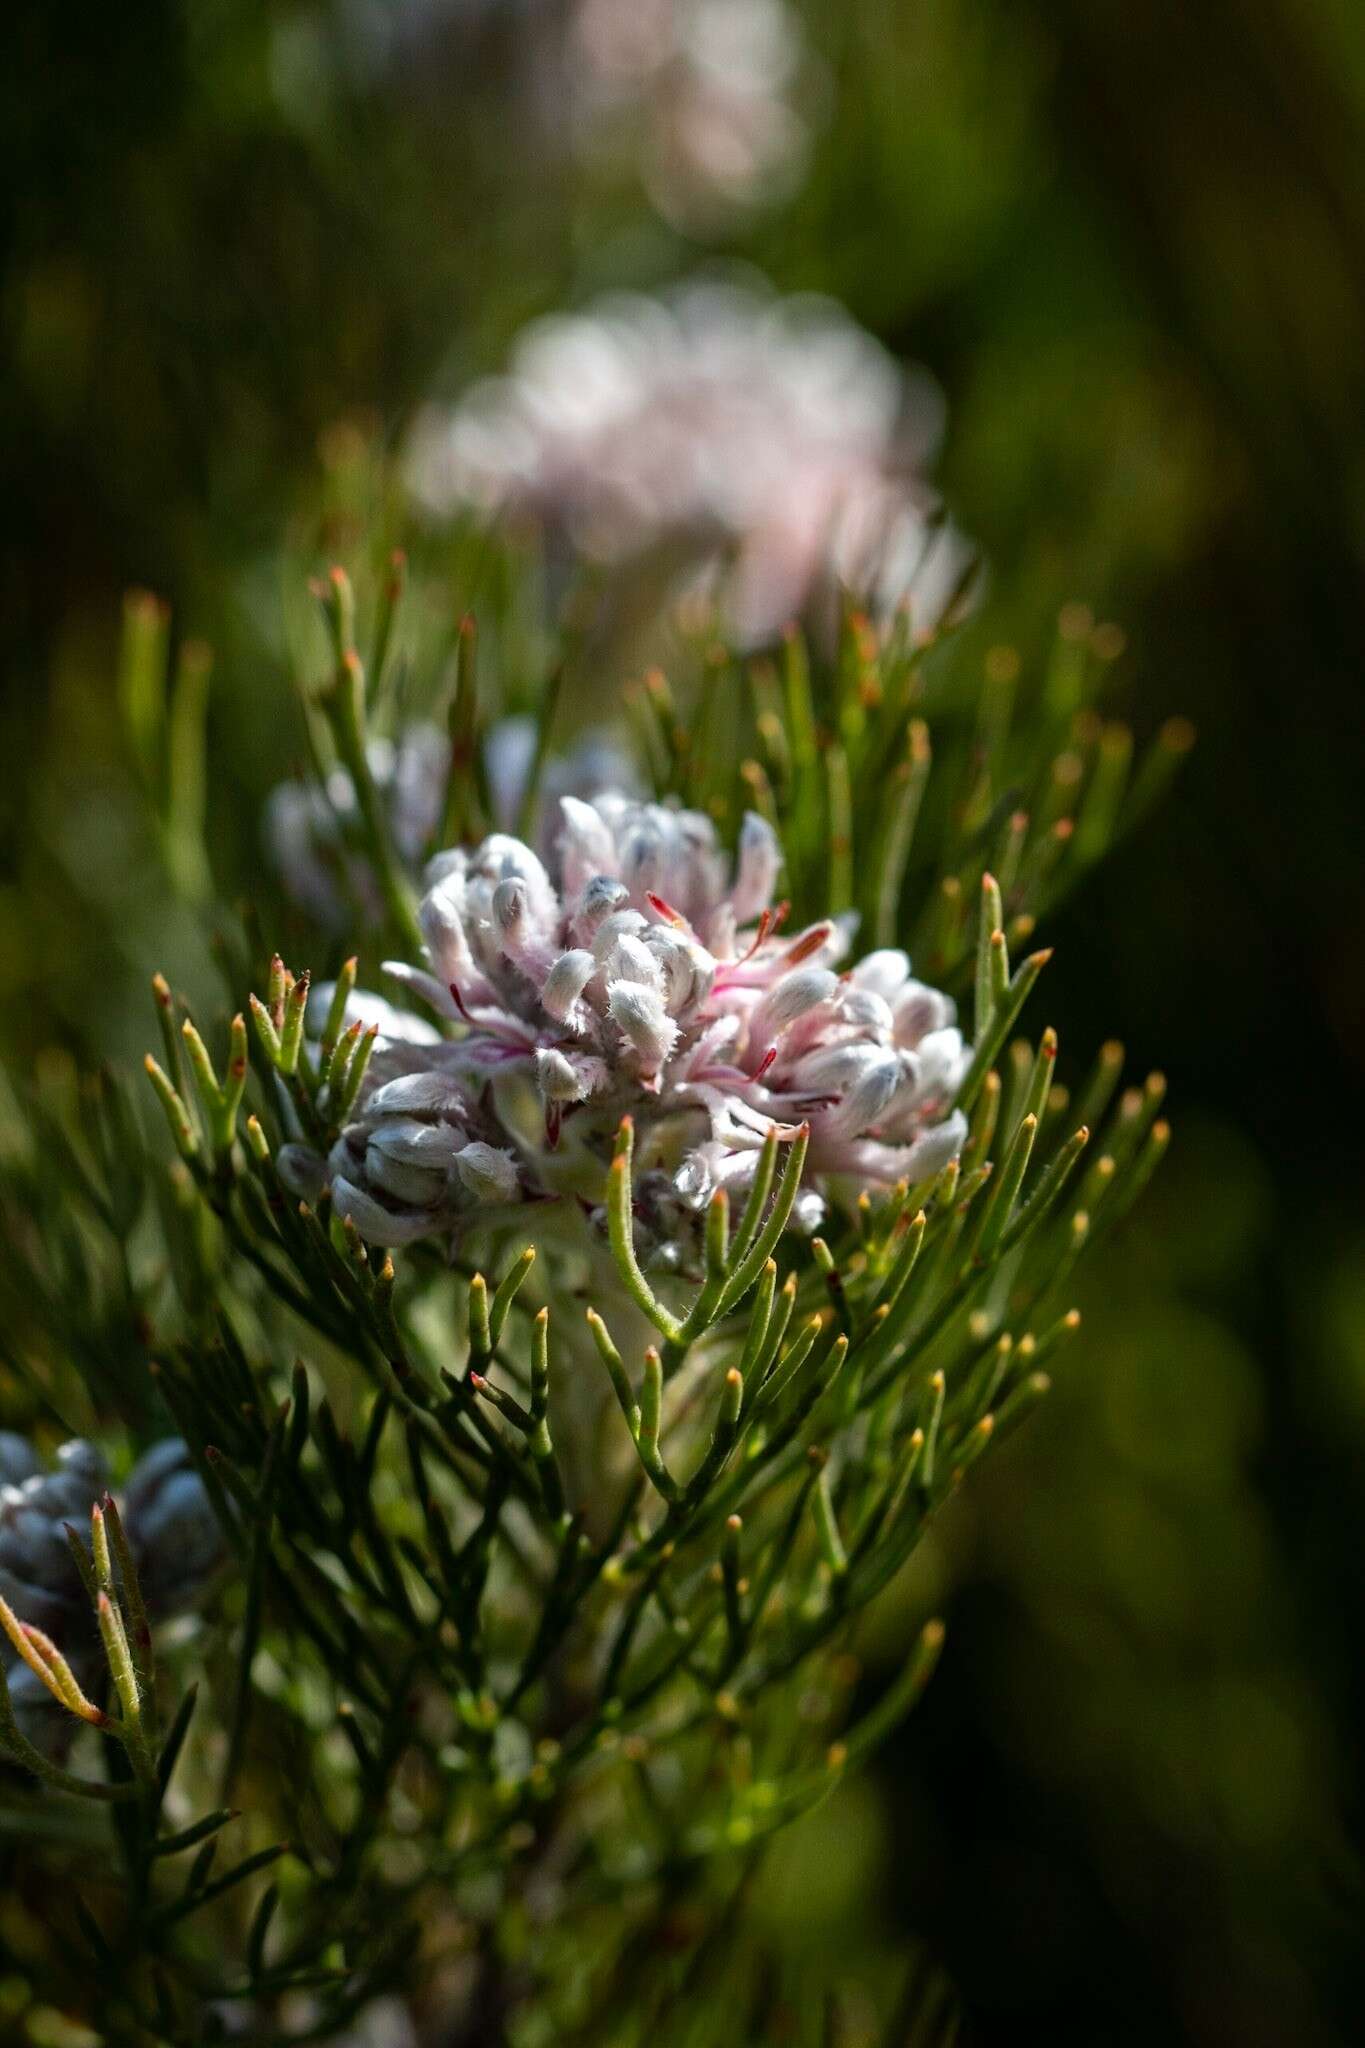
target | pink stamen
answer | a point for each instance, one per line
(765, 925)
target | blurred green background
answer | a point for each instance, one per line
(241, 241)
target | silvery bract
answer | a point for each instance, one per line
(643, 974)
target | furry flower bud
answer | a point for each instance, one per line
(489, 1173)
(642, 1019)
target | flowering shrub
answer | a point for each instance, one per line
(725, 1248)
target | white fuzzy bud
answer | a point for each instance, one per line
(413, 1143)
(511, 911)
(683, 969)
(942, 1061)
(630, 959)
(601, 897)
(796, 993)
(621, 924)
(871, 1095)
(934, 1148)
(867, 1012)
(834, 1069)
(566, 981)
(432, 1093)
(557, 1078)
(643, 1021)
(443, 931)
(489, 1173)
(586, 847)
(644, 857)
(920, 1012)
(502, 858)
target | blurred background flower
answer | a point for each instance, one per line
(770, 438)
(244, 247)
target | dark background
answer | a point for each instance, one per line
(1130, 242)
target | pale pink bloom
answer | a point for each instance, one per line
(642, 972)
(769, 439)
(703, 94)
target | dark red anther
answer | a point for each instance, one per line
(765, 925)
(808, 943)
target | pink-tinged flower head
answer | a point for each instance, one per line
(643, 972)
(706, 93)
(715, 426)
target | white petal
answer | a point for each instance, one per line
(630, 959)
(760, 860)
(867, 1012)
(362, 1007)
(416, 1187)
(434, 992)
(511, 911)
(885, 972)
(942, 1060)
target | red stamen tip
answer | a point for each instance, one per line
(808, 943)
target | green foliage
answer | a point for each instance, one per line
(545, 1569)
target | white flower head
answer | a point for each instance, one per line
(724, 425)
(642, 972)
